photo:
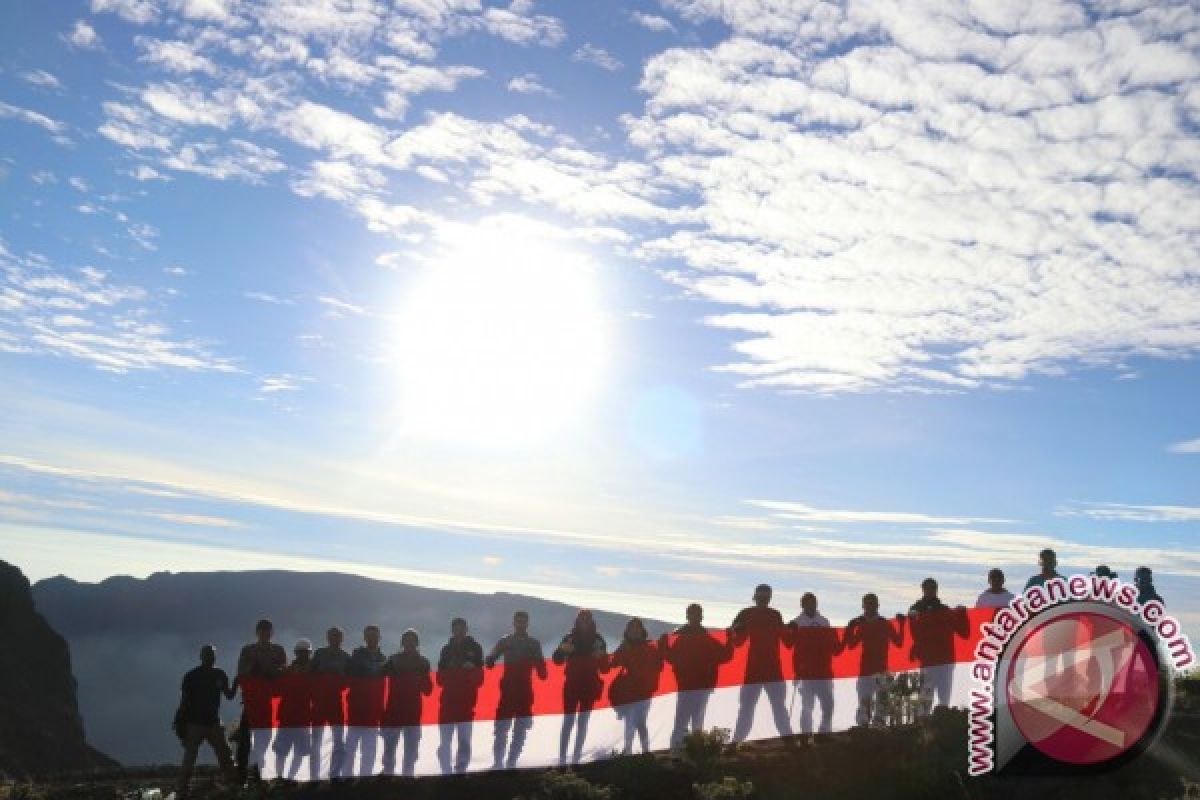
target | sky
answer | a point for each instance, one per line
(625, 305)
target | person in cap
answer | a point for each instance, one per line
(198, 718)
(294, 736)
(760, 629)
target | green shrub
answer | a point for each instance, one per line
(570, 786)
(727, 788)
(703, 750)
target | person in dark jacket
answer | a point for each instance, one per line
(329, 667)
(761, 629)
(874, 635)
(364, 702)
(262, 662)
(585, 654)
(460, 674)
(933, 626)
(199, 718)
(522, 655)
(1143, 579)
(408, 676)
(695, 655)
(640, 664)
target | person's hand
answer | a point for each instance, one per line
(489, 662)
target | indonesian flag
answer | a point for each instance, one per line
(807, 680)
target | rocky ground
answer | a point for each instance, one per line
(922, 761)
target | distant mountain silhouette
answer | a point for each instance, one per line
(41, 732)
(133, 639)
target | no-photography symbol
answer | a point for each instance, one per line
(1083, 688)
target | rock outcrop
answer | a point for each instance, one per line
(41, 732)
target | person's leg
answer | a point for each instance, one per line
(445, 745)
(337, 760)
(865, 688)
(581, 727)
(747, 700)
(564, 735)
(630, 729)
(684, 705)
(215, 736)
(412, 745)
(353, 741)
(521, 728)
(808, 693)
(702, 698)
(302, 749)
(824, 694)
(391, 740)
(777, 693)
(368, 750)
(642, 731)
(243, 750)
(281, 746)
(317, 752)
(193, 735)
(260, 745)
(465, 731)
(500, 741)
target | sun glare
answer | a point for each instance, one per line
(502, 341)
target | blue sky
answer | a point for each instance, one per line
(621, 304)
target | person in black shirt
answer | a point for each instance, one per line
(585, 654)
(460, 674)
(199, 717)
(1143, 579)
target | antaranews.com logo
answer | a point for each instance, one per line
(1073, 675)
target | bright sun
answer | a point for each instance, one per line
(502, 341)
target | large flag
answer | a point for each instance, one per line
(765, 683)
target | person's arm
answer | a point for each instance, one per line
(564, 649)
(245, 662)
(790, 635)
(426, 681)
(229, 690)
(601, 657)
(737, 631)
(497, 650)
(896, 631)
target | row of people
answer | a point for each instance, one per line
(694, 653)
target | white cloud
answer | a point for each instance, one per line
(82, 36)
(340, 307)
(146, 173)
(39, 77)
(518, 24)
(529, 83)
(237, 159)
(806, 513)
(85, 316)
(78, 184)
(651, 22)
(1122, 512)
(1190, 447)
(7, 110)
(175, 56)
(406, 80)
(591, 54)
(265, 297)
(279, 383)
(138, 12)
(188, 106)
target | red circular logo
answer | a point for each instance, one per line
(1083, 688)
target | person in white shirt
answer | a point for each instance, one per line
(995, 596)
(814, 644)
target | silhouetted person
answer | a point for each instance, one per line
(1104, 571)
(695, 656)
(584, 652)
(1048, 564)
(199, 718)
(408, 681)
(522, 655)
(1143, 579)
(294, 736)
(814, 645)
(762, 628)
(332, 663)
(364, 701)
(460, 674)
(934, 625)
(995, 596)
(265, 660)
(874, 635)
(633, 688)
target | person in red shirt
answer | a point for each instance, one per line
(460, 674)
(522, 655)
(294, 736)
(761, 629)
(695, 656)
(814, 645)
(408, 680)
(641, 664)
(874, 635)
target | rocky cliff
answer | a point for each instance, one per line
(41, 732)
